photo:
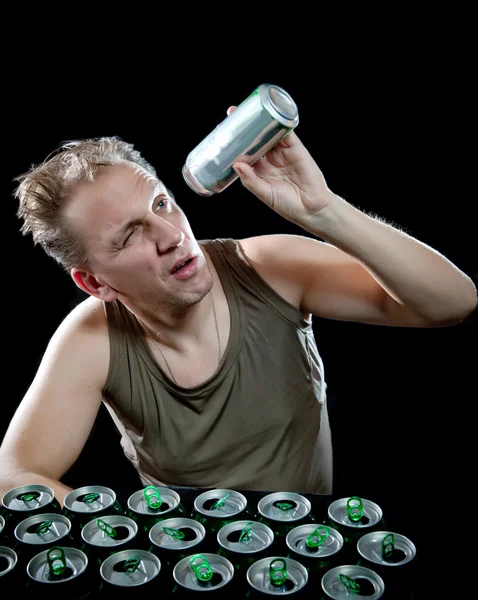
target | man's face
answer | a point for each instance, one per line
(136, 234)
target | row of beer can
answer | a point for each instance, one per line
(279, 548)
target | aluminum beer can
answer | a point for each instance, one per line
(10, 573)
(221, 572)
(393, 557)
(174, 539)
(317, 547)
(244, 542)
(218, 507)
(352, 581)
(353, 517)
(90, 502)
(252, 129)
(128, 569)
(39, 532)
(283, 511)
(146, 516)
(26, 500)
(294, 576)
(106, 535)
(70, 581)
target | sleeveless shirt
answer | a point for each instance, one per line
(259, 422)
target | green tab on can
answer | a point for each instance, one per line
(317, 537)
(90, 498)
(349, 583)
(278, 571)
(131, 564)
(56, 560)
(43, 527)
(388, 545)
(152, 497)
(355, 508)
(220, 502)
(201, 567)
(246, 533)
(107, 528)
(284, 506)
(175, 533)
(28, 497)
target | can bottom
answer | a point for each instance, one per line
(193, 182)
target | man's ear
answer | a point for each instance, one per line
(93, 286)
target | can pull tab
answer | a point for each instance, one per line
(201, 567)
(355, 508)
(107, 528)
(90, 498)
(388, 545)
(175, 533)
(246, 533)
(131, 564)
(220, 502)
(152, 497)
(28, 497)
(43, 527)
(278, 571)
(349, 583)
(317, 537)
(56, 560)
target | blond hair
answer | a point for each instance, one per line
(43, 190)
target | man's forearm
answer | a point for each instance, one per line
(13, 480)
(415, 275)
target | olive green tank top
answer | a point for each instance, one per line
(259, 422)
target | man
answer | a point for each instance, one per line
(203, 353)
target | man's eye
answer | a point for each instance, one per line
(160, 203)
(128, 237)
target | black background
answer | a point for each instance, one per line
(388, 125)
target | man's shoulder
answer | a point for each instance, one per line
(87, 317)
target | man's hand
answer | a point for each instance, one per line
(288, 180)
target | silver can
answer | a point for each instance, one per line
(177, 534)
(370, 547)
(186, 575)
(2, 527)
(295, 576)
(284, 507)
(90, 502)
(339, 513)
(109, 533)
(215, 508)
(40, 570)
(297, 541)
(41, 531)
(170, 501)
(253, 128)
(130, 568)
(245, 537)
(338, 582)
(8, 563)
(25, 500)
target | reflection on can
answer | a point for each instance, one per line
(294, 576)
(252, 129)
(349, 581)
(221, 572)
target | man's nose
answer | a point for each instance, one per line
(165, 235)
